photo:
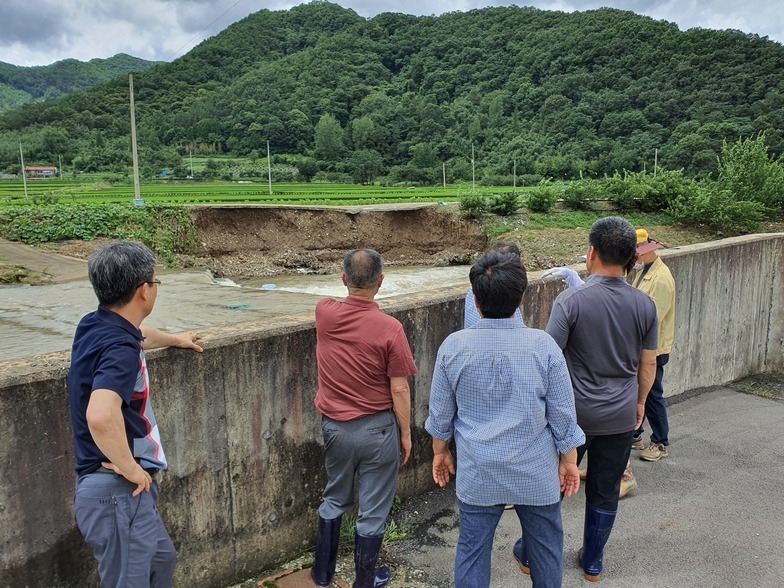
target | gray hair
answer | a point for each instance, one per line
(362, 268)
(117, 270)
(614, 240)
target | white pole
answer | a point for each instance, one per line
(443, 173)
(137, 199)
(269, 169)
(191, 152)
(24, 175)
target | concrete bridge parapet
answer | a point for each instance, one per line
(243, 437)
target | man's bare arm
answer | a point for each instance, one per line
(401, 404)
(155, 339)
(646, 374)
(105, 421)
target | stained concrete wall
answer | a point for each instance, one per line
(243, 437)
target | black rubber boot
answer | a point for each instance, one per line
(365, 557)
(598, 526)
(326, 551)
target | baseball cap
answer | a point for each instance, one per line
(645, 244)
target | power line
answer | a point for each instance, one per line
(196, 36)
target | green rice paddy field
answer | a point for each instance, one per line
(12, 192)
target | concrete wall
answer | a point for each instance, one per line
(243, 437)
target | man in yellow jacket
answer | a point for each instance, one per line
(654, 278)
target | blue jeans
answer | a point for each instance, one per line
(368, 450)
(655, 406)
(542, 536)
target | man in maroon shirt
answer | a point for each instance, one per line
(364, 362)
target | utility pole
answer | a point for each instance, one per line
(655, 161)
(191, 154)
(473, 173)
(24, 175)
(443, 173)
(137, 199)
(514, 175)
(60, 161)
(269, 169)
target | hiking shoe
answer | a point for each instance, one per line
(628, 484)
(638, 443)
(654, 452)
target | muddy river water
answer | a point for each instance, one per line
(36, 320)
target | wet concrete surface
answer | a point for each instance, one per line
(708, 516)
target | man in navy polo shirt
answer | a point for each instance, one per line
(116, 440)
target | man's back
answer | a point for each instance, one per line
(602, 328)
(358, 349)
(512, 393)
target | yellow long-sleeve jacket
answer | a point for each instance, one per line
(659, 284)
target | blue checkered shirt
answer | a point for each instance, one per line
(503, 392)
(471, 315)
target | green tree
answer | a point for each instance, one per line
(329, 138)
(748, 172)
(365, 165)
(423, 156)
(307, 168)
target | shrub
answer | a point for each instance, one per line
(334, 177)
(473, 205)
(716, 208)
(542, 198)
(529, 179)
(579, 195)
(167, 230)
(617, 191)
(665, 188)
(746, 170)
(505, 204)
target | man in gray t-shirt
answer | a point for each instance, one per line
(608, 332)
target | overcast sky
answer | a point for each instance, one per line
(41, 32)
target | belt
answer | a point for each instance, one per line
(151, 471)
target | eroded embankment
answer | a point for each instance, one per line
(254, 241)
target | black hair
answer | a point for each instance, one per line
(614, 240)
(498, 281)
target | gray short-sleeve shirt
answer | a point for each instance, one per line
(602, 328)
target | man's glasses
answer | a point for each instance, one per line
(151, 282)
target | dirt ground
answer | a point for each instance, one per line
(247, 242)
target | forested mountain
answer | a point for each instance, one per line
(549, 93)
(23, 85)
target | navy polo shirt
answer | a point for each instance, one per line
(107, 354)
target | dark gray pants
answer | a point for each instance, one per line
(369, 448)
(126, 532)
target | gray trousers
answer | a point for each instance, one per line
(368, 448)
(126, 532)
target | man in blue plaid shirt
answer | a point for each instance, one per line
(503, 393)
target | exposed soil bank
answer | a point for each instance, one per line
(257, 241)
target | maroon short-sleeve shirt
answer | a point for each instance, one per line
(359, 348)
